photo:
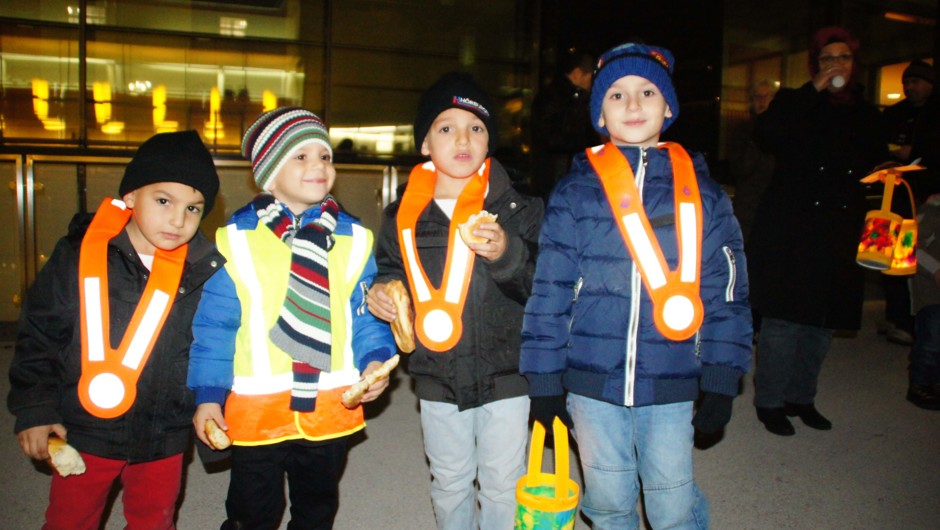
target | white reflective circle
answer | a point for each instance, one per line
(678, 312)
(437, 325)
(106, 390)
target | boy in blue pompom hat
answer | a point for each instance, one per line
(639, 302)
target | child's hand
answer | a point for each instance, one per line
(375, 389)
(204, 413)
(496, 241)
(380, 303)
(35, 441)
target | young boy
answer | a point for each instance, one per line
(468, 299)
(89, 369)
(639, 302)
(282, 330)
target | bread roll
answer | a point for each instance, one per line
(403, 327)
(64, 458)
(353, 395)
(466, 229)
(218, 439)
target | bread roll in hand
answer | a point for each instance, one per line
(64, 458)
(403, 327)
(466, 228)
(352, 396)
(218, 439)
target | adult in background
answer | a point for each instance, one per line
(561, 121)
(805, 282)
(751, 165)
(900, 120)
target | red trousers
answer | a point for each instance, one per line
(150, 492)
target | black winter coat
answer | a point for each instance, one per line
(801, 252)
(46, 366)
(484, 366)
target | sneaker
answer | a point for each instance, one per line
(899, 336)
(775, 421)
(924, 397)
(810, 416)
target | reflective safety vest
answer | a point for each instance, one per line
(439, 312)
(258, 408)
(677, 304)
(108, 384)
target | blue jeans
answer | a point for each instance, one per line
(485, 443)
(624, 447)
(924, 369)
(789, 359)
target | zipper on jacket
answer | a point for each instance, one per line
(636, 291)
(732, 274)
(577, 289)
(698, 343)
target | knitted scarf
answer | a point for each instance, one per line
(303, 325)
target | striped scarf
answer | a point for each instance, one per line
(303, 325)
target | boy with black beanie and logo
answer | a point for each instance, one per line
(104, 335)
(639, 303)
(282, 331)
(468, 299)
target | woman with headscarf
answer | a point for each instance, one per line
(804, 279)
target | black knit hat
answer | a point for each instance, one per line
(455, 90)
(173, 157)
(921, 69)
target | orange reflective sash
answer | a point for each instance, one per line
(677, 304)
(108, 385)
(438, 312)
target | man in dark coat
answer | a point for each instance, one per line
(561, 121)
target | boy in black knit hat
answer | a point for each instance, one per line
(104, 337)
(468, 299)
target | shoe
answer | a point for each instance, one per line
(924, 397)
(775, 421)
(810, 416)
(899, 336)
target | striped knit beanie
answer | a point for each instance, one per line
(275, 134)
(650, 62)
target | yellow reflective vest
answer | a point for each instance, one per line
(257, 409)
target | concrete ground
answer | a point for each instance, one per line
(879, 468)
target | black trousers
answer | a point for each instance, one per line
(256, 487)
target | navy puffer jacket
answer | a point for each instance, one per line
(588, 324)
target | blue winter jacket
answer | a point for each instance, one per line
(588, 325)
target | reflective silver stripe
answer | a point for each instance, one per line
(93, 327)
(732, 274)
(458, 267)
(356, 261)
(689, 241)
(147, 328)
(645, 254)
(422, 290)
(272, 384)
(357, 254)
(258, 331)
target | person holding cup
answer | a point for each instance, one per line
(804, 279)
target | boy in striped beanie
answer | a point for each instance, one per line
(284, 331)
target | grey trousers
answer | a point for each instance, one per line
(789, 359)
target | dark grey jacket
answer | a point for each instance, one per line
(46, 366)
(484, 366)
